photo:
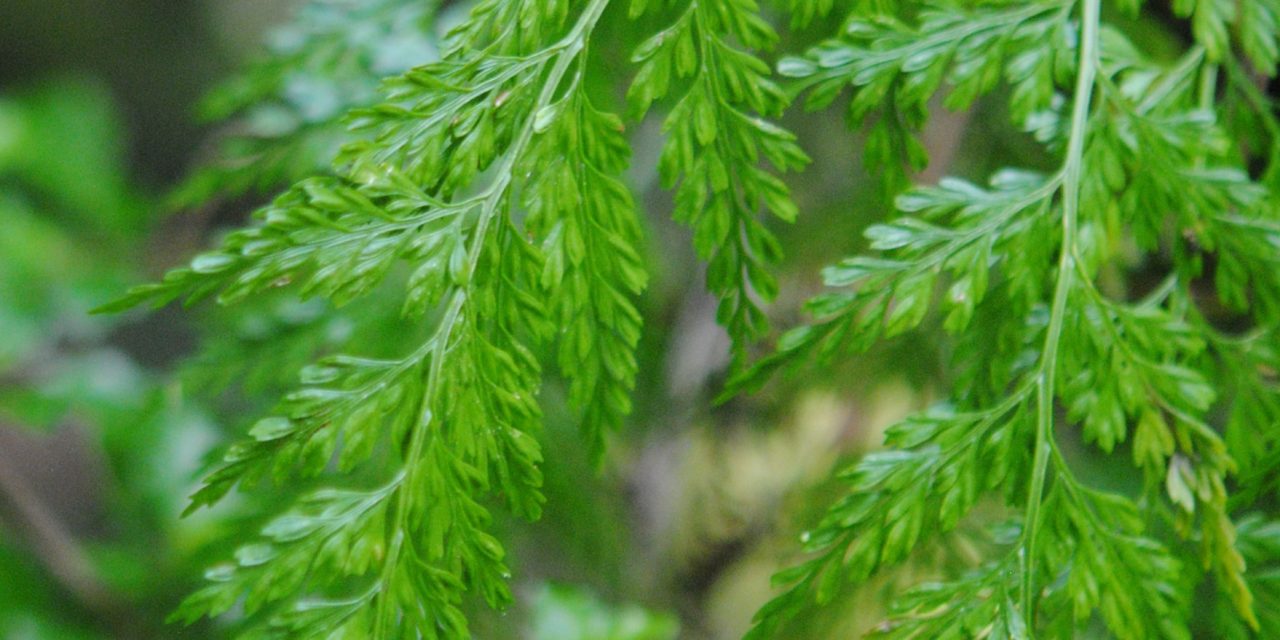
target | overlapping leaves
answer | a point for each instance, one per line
(959, 234)
(716, 142)
(938, 465)
(896, 68)
(1147, 166)
(432, 198)
(590, 230)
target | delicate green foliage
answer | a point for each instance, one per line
(490, 174)
(1209, 23)
(962, 231)
(804, 12)
(939, 464)
(716, 139)
(1050, 339)
(332, 239)
(1259, 26)
(590, 231)
(1120, 306)
(1258, 542)
(1141, 345)
(896, 69)
(950, 611)
(1130, 580)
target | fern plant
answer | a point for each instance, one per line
(486, 187)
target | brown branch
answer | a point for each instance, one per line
(54, 546)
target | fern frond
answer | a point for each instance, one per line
(895, 69)
(454, 151)
(939, 463)
(1141, 151)
(589, 229)
(481, 186)
(716, 139)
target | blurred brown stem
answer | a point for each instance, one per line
(54, 546)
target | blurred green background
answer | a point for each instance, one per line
(106, 422)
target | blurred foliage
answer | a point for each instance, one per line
(561, 613)
(73, 231)
(289, 104)
(66, 210)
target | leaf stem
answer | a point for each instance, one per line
(1072, 171)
